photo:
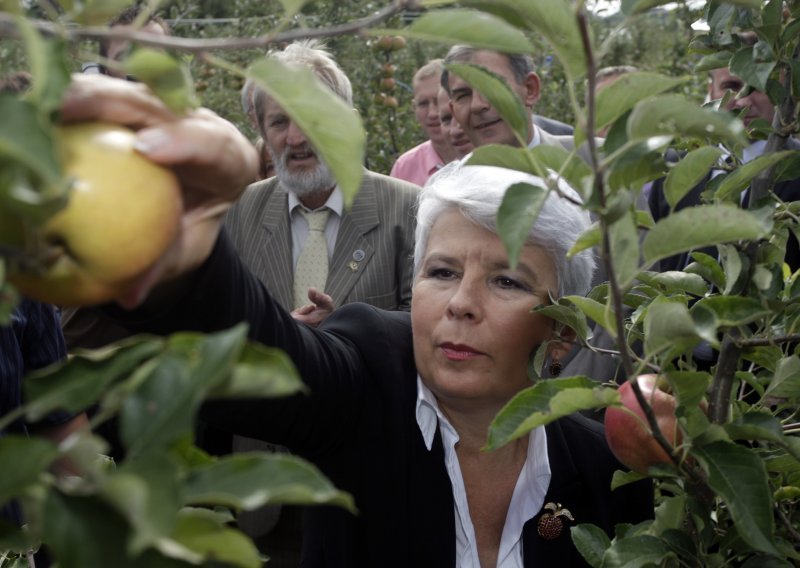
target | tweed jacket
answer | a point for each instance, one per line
(372, 259)
(358, 425)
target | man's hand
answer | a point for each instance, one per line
(314, 313)
(212, 159)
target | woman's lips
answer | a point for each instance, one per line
(459, 352)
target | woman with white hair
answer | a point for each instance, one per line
(400, 404)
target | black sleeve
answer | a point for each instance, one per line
(223, 293)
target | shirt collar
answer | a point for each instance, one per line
(428, 413)
(335, 201)
(537, 137)
(754, 150)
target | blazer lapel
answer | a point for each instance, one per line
(276, 247)
(353, 251)
(565, 490)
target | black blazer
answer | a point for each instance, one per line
(787, 191)
(359, 426)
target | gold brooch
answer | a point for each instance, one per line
(550, 523)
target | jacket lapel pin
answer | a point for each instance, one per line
(551, 522)
(353, 265)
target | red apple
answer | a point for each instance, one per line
(628, 433)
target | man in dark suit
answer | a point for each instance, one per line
(754, 105)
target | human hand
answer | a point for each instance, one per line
(314, 313)
(214, 162)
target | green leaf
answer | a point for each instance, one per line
(700, 226)
(675, 115)
(262, 372)
(333, 128)
(248, 481)
(557, 22)
(622, 478)
(568, 165)
(166, 76)
(738, 476)
(591, 237)
(509, 157)
(591, 541)
(733, 311)
(595, 311)
(25, 459)
(737, 181)
(688, 172)
(568, 315)
(79, 382)
(202, 533)
(544, 402)
(147, 493)
(293, 7)
(71, 522)
(670, 514)
(707, 267)
(161, 408)
(675, 282)
(624, 239)
(471, 27)
(751, 72)
(495, 90)
(755, 426)
(622, 95)
(96, 12)
(786, 382)
(24, 138)
(49, 66)
(689, 387)
(636, 552)
(521, 205)
(667, 327)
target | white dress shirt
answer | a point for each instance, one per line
(526, 502)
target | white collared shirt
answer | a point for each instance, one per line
(335, 203)
(526, 501)
(537, 138)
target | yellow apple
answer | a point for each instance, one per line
(122, 214)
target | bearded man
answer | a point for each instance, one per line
(369, 247)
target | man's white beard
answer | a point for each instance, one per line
(306, 182)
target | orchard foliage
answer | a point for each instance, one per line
(730, 495)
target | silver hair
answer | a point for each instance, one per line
(477, 192)
(314, 55)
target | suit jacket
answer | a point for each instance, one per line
(372, 259)
(553, 126)
(786, 190)
(359, 426)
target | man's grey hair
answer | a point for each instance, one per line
(521, 64)
(314, 55)
(477, 192)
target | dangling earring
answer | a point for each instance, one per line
(555, 367)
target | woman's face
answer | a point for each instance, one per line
(471, 314)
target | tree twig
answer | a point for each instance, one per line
(9, 28)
